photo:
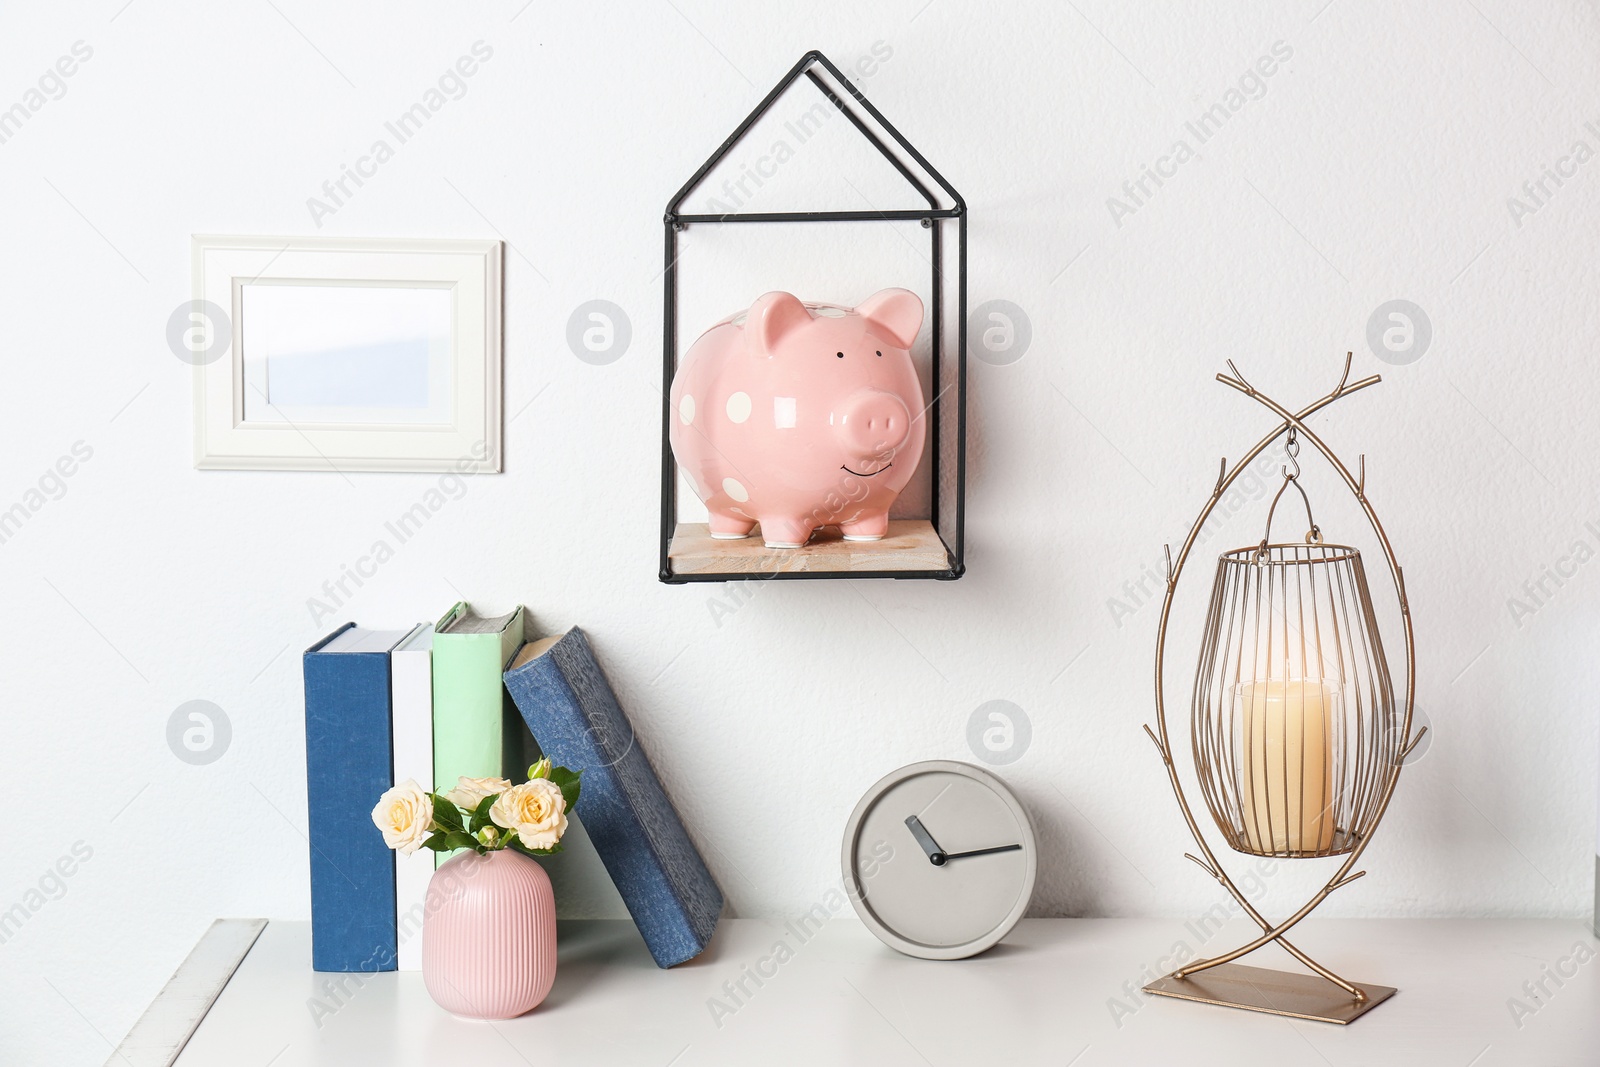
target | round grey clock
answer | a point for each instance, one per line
(939, 860)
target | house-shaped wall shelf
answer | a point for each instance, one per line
(926, 543)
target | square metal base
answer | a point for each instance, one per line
(1300, 996)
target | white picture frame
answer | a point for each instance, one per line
(318, 316)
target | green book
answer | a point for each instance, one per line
(477, 731)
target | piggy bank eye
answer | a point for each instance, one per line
(880, 355)
(839, 354)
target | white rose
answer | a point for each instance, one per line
(405, 815)
(536, 810)
(469, 792)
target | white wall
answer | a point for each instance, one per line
(1377, 165)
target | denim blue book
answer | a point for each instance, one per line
(569, 706)
(348, 746)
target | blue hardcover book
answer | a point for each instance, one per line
(569, 706)
(348, 766)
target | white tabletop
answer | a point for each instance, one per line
(1057, 992)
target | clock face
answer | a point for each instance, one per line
(939, 860)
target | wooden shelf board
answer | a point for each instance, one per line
(911, 545)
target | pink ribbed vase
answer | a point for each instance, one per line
(489, 935)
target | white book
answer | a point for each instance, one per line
(411, 684)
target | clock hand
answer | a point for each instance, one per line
(936, 856)
(983, 851)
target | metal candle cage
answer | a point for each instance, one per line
(1297, 738)
(946, 411)
(1297, 621)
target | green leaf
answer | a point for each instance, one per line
(457, 839)
(480, 814)
(446, 816)
(435, 842)
(567, 782)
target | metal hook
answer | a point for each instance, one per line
(1314, 534)
(1292, 450)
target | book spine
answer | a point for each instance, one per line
(468, 731)
(348, 766)
(413, 759)
(661, 877)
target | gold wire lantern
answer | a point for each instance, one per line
(1297, 738)
(1294, 722)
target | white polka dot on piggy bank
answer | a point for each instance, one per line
(798, 416)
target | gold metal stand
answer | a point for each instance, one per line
(1300, 996)
(1324, 997)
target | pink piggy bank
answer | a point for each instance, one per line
(798, 416)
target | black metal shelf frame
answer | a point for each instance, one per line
(933, 218)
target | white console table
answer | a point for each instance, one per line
(1057, 991)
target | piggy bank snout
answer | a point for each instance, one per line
(871, 422)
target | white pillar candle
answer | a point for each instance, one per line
(1286, 755)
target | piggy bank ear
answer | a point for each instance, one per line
(895, 313)
(772, 318)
